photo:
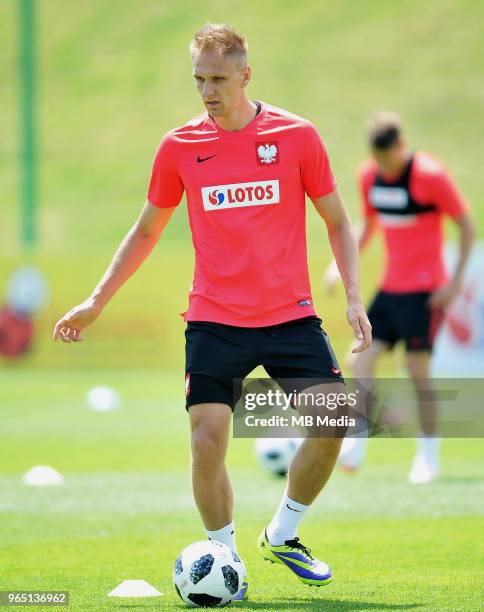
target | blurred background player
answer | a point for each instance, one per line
(407, 194)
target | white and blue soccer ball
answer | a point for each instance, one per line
(208, 574)
(275, 454)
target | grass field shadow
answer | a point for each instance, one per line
(286, 605)
(316, 603)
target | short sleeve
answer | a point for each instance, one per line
(166, 187)
(316, 174)
(447, 197)
(364, 182)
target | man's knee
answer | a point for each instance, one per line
(208, 446)
(362, 365)
(418, 364)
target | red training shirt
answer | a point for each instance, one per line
(246, 206)
(414, 242)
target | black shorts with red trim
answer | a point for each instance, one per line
(407, 317)
(218, 354)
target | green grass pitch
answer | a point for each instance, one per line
(126, 510)
(113, 77)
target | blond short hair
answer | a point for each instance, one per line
(384, 129)
(221, 38)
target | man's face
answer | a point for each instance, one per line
(220, 81)
(390, 160)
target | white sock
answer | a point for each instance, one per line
(226, 535)
(286, 520)
(429, 447)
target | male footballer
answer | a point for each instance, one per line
(407, 194)
(245, 168)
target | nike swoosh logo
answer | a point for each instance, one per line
(202, 159)
(293, 509)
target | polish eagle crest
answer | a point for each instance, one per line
(267, 153)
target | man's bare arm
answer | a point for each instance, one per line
(345, 250)
(443, 297)
(133, 250)
(364, 232)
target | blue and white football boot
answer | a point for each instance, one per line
(298, 559)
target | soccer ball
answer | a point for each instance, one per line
(275, 454)
(208, 574)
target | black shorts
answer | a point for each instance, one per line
(216, 354)
(407, 317)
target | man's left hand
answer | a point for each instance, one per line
(442, 297)
(358, 320)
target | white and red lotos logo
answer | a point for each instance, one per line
(239, 195)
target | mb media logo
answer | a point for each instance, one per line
(239, 195)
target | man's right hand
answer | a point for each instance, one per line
(73, 322)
